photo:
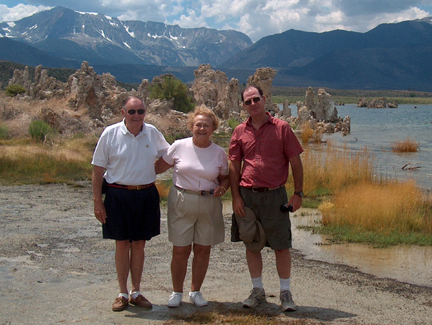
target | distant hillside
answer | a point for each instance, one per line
(390, 56)
(124, 73)
(7, 69)
(16, 51)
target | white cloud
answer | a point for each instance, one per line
(223, 9)
(409, 14)
(191, 20)
(19, 11)
(245, 25)
(256, 18)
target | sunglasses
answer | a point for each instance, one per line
(133, 111)
(255, 100)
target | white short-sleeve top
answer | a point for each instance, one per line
(196, 168)
(129, 159)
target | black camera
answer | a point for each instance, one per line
(285, 208)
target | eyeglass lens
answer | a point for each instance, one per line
(255, 100)
(133, 111)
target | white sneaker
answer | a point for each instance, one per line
(175, 299)
(197, 299)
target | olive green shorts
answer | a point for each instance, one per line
(266, 206)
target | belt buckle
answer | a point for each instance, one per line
(205, 193)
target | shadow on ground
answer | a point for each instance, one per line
(217, 311)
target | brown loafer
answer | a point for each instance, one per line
(140, 301)
(120, 304)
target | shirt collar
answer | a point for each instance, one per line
(125, 130)
(270, 119)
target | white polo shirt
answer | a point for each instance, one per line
(129, 159)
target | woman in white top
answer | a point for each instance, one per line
(195, 220)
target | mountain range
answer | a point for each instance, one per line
(99, 39)
(390, 56)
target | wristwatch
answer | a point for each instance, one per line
(300, 193)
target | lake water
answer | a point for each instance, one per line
(378, 129)
(409, 264)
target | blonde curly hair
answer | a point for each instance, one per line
(202, 110)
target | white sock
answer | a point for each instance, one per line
(125, 295)
(285, 284)
(134, 294)
(257, 283)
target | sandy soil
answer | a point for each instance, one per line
(56, 268)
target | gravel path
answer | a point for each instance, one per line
(56, 268)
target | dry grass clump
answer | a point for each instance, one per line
(382, 207)
(163, 189)
(26, 161)
(406, 145)
(308, 134)
(332, 168)
(221, 315)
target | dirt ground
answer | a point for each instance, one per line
(56, 268)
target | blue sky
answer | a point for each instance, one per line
(256, 18)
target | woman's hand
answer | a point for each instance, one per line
(219, 191)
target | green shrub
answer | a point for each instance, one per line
(172, 88)
(232, 123)
(4, 132)
(14, 89)
(38, 130)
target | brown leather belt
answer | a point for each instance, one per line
(131, 187)
(262, 189)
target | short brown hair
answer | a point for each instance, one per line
(202, 110)
(252, 86)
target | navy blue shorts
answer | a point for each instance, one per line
(132, 215)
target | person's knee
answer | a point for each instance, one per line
(138, 245)
(181, 252)
(122, 244)
(282, 253)
(201, 250)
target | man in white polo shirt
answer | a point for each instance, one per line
(124, 156)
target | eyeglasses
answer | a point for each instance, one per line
(133, 111)
(249, 101)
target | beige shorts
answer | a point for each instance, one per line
(194, 219)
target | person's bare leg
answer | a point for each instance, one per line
(137, 263)
(200, 265)
(122, 263)
(283, 263)
(254, 261)
(179, 262)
